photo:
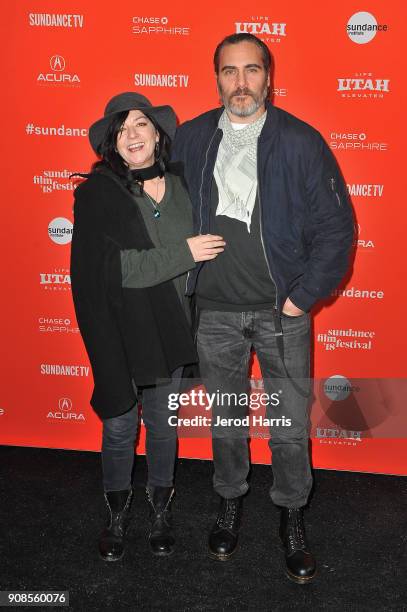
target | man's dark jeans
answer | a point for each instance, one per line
(224, 341)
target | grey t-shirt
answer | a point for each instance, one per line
(171, 258)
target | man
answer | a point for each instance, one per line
(267, 183)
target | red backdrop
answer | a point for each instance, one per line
(64, 60)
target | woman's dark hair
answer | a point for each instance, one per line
(110, 158)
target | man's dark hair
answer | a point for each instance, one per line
(113, 160)
(235, 39)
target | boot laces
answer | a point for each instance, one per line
(159, 513)
(116, 518)
(227, 518)
(295, 531)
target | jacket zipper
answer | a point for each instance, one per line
(200, 196)
(261, 231)
(332, 181)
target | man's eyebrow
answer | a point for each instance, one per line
(246, 66)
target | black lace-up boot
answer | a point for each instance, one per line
(300, 562)
(111, 541)
(224, 535)
(161, 538)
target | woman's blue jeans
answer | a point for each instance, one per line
(119, 435)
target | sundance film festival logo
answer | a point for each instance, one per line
(158, 26)
(362, 27)
(65, 411)
(59, 280)
(54, 180)
(60, 230)
(55, 20)
(58, 75)
(363, 86)
(365, 190)
(57, 325)
(161, 80)
(264, 28)
(346, 339)
(355, 141)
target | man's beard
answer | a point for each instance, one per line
(244, 111)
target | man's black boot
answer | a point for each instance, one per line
(224, 535)
(161, 538)
(111, 541)
(300, 563)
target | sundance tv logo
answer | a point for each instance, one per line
(363, 86)
(158, 26)
(365, 190)
(264, 28)
(142, 79)
(65, 412)
(55, 20)
(58, 369)
(362, 27)
(58, 75)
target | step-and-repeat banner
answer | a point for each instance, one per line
(336, 67)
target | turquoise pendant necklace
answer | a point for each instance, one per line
(156, 212)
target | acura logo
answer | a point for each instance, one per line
(57, 63)
(65, 403)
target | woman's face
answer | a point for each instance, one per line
(136, 140)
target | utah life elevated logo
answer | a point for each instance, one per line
(58, 280)
(363, 85)
(265, 28)
(57, 75)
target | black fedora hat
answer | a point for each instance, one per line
(164, 116)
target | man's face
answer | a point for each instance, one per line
(242, 81)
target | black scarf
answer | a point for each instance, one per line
(145, 174)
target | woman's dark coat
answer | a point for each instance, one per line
(139, 334)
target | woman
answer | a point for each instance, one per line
(136, 329)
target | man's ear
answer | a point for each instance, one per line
(217, 84)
